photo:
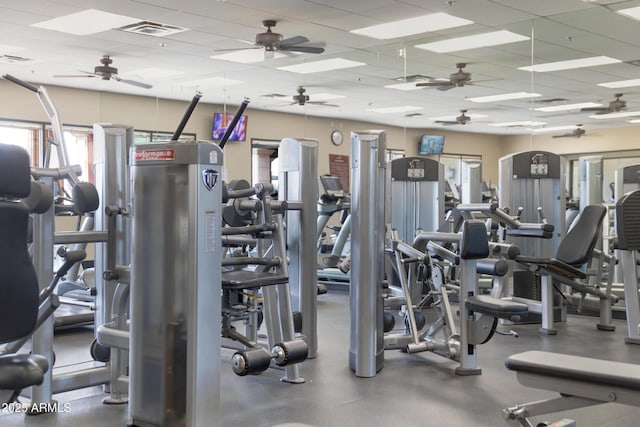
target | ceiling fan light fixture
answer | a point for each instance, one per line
(410, 26)
(494, 38)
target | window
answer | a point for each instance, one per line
(23, 134)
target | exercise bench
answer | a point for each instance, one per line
(581, 382)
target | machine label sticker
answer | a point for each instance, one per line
(151, 155)
(211, 232)
(213, 157)
(209, 178)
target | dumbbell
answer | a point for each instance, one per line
(257, 360)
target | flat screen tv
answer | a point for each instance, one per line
(431, 144)
(222, 121)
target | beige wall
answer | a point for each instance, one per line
(594, 141)
(81, 107)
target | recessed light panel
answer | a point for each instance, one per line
(321, 66)
(321, 97)
(247, 56)
(5, 48)
(617, 115)
(211, 82)
(568, 107)
(410, 26)
(553, 128)
(494, 38)
(518, 124)
(405, 86)
(504, 97)
(571, 64)
(392, 110)
(621, 83)
(632, 12)
(154, 73)
(90, 21)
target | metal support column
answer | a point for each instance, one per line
(366, 353)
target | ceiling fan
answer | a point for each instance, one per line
(576, 133)
(457, 79)
(272, 42)
(462, 119)
(614, 106)
(106, 72)
(301, 98)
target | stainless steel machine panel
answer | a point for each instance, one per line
(175, 295)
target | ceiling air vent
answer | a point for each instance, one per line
(154, 29)
(12, 59)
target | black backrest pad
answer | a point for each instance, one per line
(18, 281)
(628, 221)
(475, 242)
(15, 173)
(576, 247)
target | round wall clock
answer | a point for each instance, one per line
(336, 137)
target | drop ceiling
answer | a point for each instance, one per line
(179, 64)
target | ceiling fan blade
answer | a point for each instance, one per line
(292, 41)
(603, 109)
(322, 103)
(446, 87)
(303, 49)
(75, 75)
(433, 84)
(86, 74)
(237, 48)
(132, 82)
(447, 122)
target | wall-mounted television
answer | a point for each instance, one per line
(222, 121)
(431, 144)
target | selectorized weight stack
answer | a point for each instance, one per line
(175, 285)
(532, 183)
(416, 195)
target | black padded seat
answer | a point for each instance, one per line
(502, 309)
(553, 265)
(576, 247)
(246, 279)
(18, 371)
(577, 368)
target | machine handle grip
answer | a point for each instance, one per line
(233, 123)
(20, 83)
(187, 115)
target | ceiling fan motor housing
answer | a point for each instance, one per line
(268, 39)
(105, 71)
